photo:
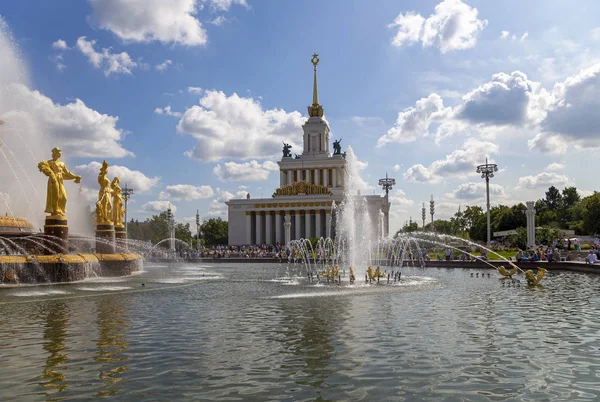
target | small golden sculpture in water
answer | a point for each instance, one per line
(117, 206)
(56, 195)
(373, 275)
(104, 203)
(508, 273)
(532, 279)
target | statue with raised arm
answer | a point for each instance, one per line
(117, 205)
(286, 150)
(104, 203)
(56, 195)
(337, 147)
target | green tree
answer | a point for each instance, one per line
(214, 231)
(570, 197)
(590, 214)
(553, 199)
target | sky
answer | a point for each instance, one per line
(189, 100)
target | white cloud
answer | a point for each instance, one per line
(58, 61)
(77, 129)
(397, 167)
(453, 26)
(473, 191)
(548, 144)
(414, 122)
(218, 21)
(60, 45)
(167, 111)
(134, 179)
(237, 127)
(224, 5)
(146, 21)
(117, 63)
(504, 34)
(186, 192)
(543, 180)
(247, 171)
(156, 207)
(555, 166)
(461, 163)
(194, 90)
(399, 198)
(525, 35)
(164, 65)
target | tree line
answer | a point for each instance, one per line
(212, 231)
(558, 210)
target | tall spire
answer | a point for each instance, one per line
(315, 109)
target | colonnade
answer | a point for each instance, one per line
(267, 226)
(328, 177)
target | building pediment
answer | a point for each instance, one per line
(302, 188)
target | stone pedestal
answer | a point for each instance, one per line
(120, 237)
(105, 239)
(58, 229)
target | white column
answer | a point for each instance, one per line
(317, 176)
(288, 227)
(342, 177)
(281, 178)
(259, 239)
(307, 224)
(326, 177)
(328, 223)
(334, 177)
(248, 227)
(298, 226)
(278, 237)
(308, 176)
(269, 230)
(299, 174)
(290, 178)
(318, 232)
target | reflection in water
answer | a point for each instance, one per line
(55, 333)
(310, 335)
(111, 344)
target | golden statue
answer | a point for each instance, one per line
(117, 206)
(104, 203)
(508, 273)
(373, 275)
(532, 279)
(56, 195)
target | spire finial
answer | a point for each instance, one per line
(315, 109)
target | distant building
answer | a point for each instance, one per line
(308, 186)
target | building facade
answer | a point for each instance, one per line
(310, 184)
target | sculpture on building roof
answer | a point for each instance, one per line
(337, 147)
(286, 150)
(302, 187)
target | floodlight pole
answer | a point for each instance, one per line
(487, 172)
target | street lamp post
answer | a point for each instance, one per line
(423, 215)
(487, 172)
(127, 192)
(387, 184)
(197, 230)
(432, 211)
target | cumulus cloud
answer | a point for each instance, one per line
(397, 167)
(473, 191)
(543, 180)
(251, 171)
(112, 63)
(237, 127)
(185, 192)
(452, 26)
(156, 207)
(79, 130)
(164, 65)
(146, 21)
(60, 45)
(555, 166)
(504, 34)
(167, 111)
(414, 122)
(548, 144)
(399, 198)
(460, 162)
(134, 179)
(224, 5)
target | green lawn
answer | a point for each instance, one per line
(498, 254)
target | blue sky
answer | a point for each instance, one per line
(423, 90)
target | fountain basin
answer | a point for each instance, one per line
(17, 269)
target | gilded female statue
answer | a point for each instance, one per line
(117, 207)
(56, 195)
(104, 203)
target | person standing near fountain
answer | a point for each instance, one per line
(105, 230)
(56, 201)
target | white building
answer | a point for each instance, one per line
(308, 186)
